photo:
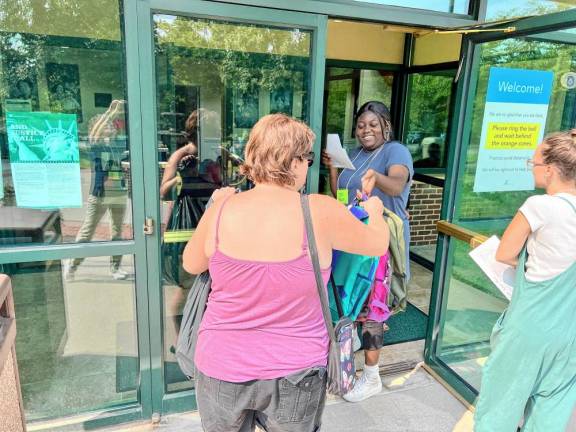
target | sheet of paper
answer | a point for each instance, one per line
(337, 154)
(501, 275)
(44, 159)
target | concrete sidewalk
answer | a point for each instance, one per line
(409, 402)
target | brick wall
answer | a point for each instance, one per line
(425, 205)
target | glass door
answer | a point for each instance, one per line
(216, 70)
(502, 117)
(71, 212)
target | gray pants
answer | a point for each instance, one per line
(95, 210)
(291, 404)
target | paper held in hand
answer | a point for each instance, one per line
(337, 154)
(502, 275)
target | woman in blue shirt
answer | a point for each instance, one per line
(383, 167)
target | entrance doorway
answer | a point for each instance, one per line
(418, 89)
(217, 70)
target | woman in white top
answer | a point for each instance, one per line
(532, 368)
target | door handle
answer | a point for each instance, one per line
(148, 226)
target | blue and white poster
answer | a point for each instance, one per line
(513, 126)
(44, 159)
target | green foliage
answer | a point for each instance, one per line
(247, 57)
(429, 102)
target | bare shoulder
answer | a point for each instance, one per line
(323, 203)
(325, 209)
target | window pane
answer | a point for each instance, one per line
(76, 343)
(498, 10)
(473, 305)
(520, 53)
(428, 103)
(64, 151)
(348, 89)
(450, 6)
(214, 81)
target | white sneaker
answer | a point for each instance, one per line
(119, 274)
(364, 387)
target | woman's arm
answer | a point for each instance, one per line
(513, 240)
(348, 234)
(392, 184)
(169, 178)
(334, 181)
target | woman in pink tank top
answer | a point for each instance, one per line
(262, 345)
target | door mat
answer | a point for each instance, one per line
(407, 326)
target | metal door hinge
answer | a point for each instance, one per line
(149, 226)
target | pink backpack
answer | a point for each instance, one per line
(378, 309)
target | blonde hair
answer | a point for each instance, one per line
(560, 150)
(274, 142)
(98, 125)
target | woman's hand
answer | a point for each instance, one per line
(373, 206)
(190, 149)
(326, 161)
(369, 181)
(222, 193)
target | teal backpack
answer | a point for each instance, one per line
(353, 276)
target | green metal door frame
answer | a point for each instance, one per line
(135, 247)
(162, 402)
(371, 11)
(459, 141)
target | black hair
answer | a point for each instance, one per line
(383, 114)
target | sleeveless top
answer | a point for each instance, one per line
(263, 319)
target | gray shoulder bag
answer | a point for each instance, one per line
(341, 370)
(191, 318)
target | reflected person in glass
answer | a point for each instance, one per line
(108, 192)
(186, 186)
(531, 371)
(263, 345)
(383, 168)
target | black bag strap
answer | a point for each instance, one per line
(337, 298)
(316, 264)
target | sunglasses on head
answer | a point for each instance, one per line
(308, 157)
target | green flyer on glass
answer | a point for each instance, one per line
(44, 159)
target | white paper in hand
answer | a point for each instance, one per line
(501, 275)
(337, 154)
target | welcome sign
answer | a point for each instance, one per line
(513, 126)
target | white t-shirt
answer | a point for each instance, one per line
(552, 243)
